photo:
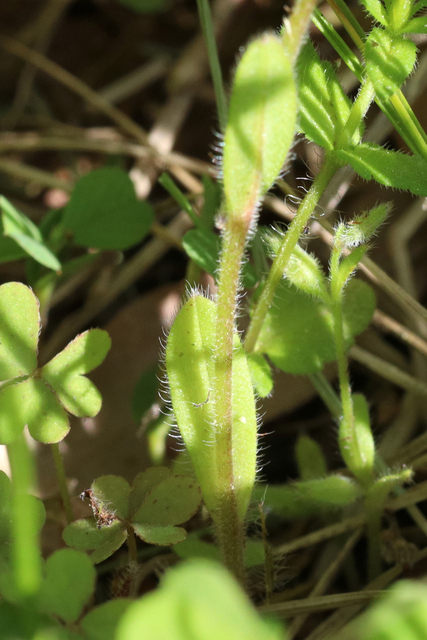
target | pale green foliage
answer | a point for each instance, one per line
(190, 370)
(261, 124)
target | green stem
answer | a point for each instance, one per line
(328, 395)
(291, 238)
(208, 31)
(344, 380)
(26, 559)
(359, 108)
(229, 527)
(295, 28)
(131, 542)
(62, 482)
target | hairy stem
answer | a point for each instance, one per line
(229, 527)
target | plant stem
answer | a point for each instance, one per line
(280, 263)
(62, 482)
(326, 392)
(229, 526)
(26, 559)
(208, 31)
(131, 542)
(294, 28)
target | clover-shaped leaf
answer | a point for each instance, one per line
(157, 501)
(172, 501)
(41, 398)
(68, 585)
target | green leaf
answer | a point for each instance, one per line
(112, 493)
(211, 201)
(377, 10)
(297, 334)
(162, 536)
(379, 490)
(24, 623)
(25, 233)
(389, 61)
(190, 370)
(305, 272)
(324, 108)
(310, 459)
(103, 541)
(389, 168)
(32, 402)
(69, 583)
(399, 615)
(416, 25)
(65, 372)
(173, 500)
(356, 441)
(261, 124)
(302, 499)
(203, 247)
(216, 609)
(101, 623)
(19, 330)
(104, 212)
(261, 375)
(195, 547)
(143, 484)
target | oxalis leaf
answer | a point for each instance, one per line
(199, 600)
(261, 123)
(41, 397)
(104, 212)
(157, 501)
(190, 370)
(297, 334)
(390, 168)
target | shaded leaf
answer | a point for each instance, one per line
(101, 623)
(261, 375)
(104, 212)
(163, 536)
(69, 583)
(112, 493)
(172, 501)
(297, 334)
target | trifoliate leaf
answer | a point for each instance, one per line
(65, 372)
(112, 495)
(104, 212)
(69, 583)
(217, 608)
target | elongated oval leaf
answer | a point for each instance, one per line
(190, 370)
(390, 168)
(261, 123)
